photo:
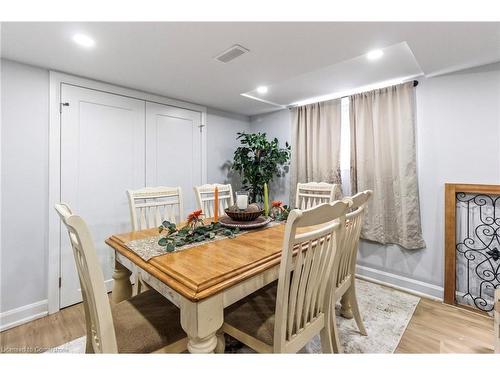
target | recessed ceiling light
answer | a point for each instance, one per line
(83, 40)
(375, 54)
(262, 89)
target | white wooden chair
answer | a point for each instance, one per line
(284, 316)
(311, 194)
(205, 198)
(150, 206)
(344, 268)
(497, 321)
(143, 324)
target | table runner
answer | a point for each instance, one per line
(148, 248)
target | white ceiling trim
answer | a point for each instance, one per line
(263, 100)
(359, 90)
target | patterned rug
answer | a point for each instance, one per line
(386, 313)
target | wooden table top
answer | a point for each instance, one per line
(202, 271)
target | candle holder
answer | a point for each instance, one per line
(242, 199)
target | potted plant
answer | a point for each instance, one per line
(258, 161)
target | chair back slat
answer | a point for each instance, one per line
(301, 288)
(345, 260)
(150, 206)
(312, 194)
(205, 198)
(313, 288)
(100, 329)
(304, 285)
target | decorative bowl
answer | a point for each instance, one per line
(243, 215)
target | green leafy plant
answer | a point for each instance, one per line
(258, 161)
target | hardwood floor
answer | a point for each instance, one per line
(434, 328)
(44, 333)
(439, 328)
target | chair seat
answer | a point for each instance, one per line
(146, 323)
(253, 316)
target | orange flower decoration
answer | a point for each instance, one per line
(194, 216)
(276, 204)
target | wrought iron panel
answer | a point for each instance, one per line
(477, 249)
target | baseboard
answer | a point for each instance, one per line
(23, 314)
(402, 283)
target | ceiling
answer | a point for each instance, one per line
(295, 59)
(397, 61)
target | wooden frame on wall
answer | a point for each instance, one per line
(450, 232)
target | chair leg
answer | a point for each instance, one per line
(351, 296)
(334, 334)
(221, 342)
(140, 286)
(89, 349)
(136, 287)
(345, 307)
(325, 335)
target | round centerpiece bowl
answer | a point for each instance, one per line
(252, 212)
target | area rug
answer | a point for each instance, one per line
(386, 313)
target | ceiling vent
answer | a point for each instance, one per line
(231, 53)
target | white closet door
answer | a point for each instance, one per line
(102, 155)
(174, 149)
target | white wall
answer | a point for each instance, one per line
(221, 140)
(276, 125)
(24, 185)
(24, 192)
(458, 141)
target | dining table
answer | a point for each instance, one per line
(204, 279)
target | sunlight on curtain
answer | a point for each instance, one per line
(345, 149)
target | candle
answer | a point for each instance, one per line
(216, 204)
(242, 201)
(266, 201)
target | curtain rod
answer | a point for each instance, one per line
(415, 84)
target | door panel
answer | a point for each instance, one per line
(173, 150)
(102, 155)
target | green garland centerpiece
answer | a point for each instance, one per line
(194, 231)
(279, 212)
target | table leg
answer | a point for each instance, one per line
(345, 307)
(221, 342)
(122, 288)
(201, 320)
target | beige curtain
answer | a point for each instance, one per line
(315, 144)
(383, 158)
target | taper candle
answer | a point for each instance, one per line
(266, 200)
(216, 204)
